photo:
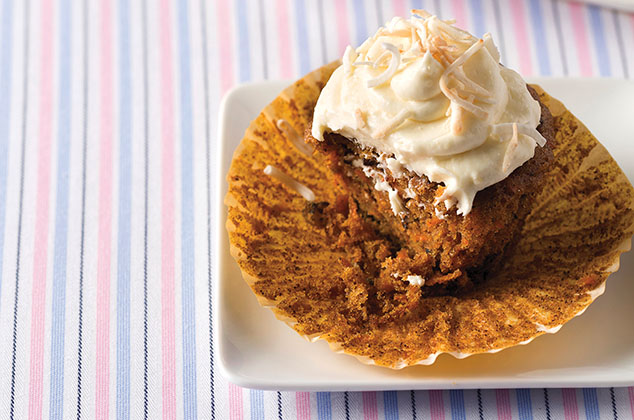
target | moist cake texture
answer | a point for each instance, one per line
(441, 252)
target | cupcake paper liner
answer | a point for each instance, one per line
(571, 242)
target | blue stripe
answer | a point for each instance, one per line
(124, 216)
(5, 103)
(417, 4)
(58, 297)
(390, 404)
(302, 36)
(243, 39)
(537, 19)
(456, 397)
(524, 404)
(599, 41)
(324, 406)
(477, 15)
(591, 403)
(359, 17)
(187, 218)
(257, 404)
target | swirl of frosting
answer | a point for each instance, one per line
(436, 99)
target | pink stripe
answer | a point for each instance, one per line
(400, 8)
(370, 411)
(284, 33)
(436, 405)
(459, 10)
(341, 18)
(521, 36)
(571, 409)
(630, 390)
(581, 38)
(225, 40)
(102, 350)
(503, 402)
(235, 402)
(303, 405)
(40, 252)
(168, 327)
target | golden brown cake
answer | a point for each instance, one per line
(448, 252)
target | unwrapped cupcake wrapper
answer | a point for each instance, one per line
(570, 243)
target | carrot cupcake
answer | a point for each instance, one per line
(440, 145)
(438, 205)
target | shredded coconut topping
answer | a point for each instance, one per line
(293, 136)
(506, 163)
(437, 99)
(298, 187)
(391, 70)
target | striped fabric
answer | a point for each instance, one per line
(107, 127)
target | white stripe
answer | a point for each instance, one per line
(611, 42)
(256, 58)
(114, 209)
(331, 30)
(627, 30)
(372, 19)
(11, 207)
(155, 378)
(74, 215)
(50, 210)
(177, 206)
(313, 34)
(272, 37)
(200, 212)
(488, 9)
(552, 42)
(138, 210)
(568, 39)
(512, 52)
(23, 354)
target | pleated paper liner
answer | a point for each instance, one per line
(571, 242)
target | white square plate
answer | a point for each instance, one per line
(595, 349)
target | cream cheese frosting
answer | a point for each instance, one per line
(433, 99)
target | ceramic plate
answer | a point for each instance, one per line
(595, 349)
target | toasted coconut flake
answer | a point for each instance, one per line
(294, 137)
(469, 84)
(399, 32)
(453, 95)
(464, 57)
(298, 187)
(524, 129)
(348, 58)
(420, 12)
(364, 63)
(510, 149)
(391, 70)
(454, 69)
(379, 60)
(392, 124)
(360, 117)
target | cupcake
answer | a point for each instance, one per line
(419, 198)
(442, 147)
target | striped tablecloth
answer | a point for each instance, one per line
(107, 131)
